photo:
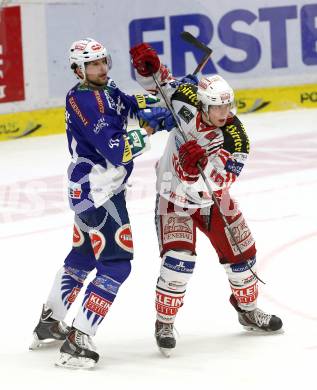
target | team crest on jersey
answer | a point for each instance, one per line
(112, 84)
(98, 242)
(124, 239)
(185, 114)
(78, 237)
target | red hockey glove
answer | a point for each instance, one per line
(190, 153)
(145, 59)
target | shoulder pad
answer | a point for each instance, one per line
(235, 137)
(74, 89)
(186, 93)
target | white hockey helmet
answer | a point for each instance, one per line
(87, 50)
(214, 91)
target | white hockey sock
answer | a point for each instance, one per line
(243, 283)
(66, 287)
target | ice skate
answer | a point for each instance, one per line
(48, 331)
(257, 319)
(78, 351)
(165, 339)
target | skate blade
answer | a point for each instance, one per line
(75, 363)
(166, 351)
(257, 330)
(37, 343)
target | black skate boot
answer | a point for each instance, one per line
(257, 319)
(48, 330)
(78, 351)
(164, 334)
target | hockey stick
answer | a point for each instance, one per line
(188, 37)
(201, 171)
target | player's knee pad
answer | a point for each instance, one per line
(176, 269)
(118, 270)
(243, 282)
(78, 260)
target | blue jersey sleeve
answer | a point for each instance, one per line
(99, 126)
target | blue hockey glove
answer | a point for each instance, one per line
(190, 79)
(159, 118)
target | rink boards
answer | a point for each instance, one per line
(51, 121)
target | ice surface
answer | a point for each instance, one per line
(276, 192)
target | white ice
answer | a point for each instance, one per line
(276, 192)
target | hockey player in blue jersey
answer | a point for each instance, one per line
(102, 152)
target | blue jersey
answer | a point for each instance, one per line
(96, 123)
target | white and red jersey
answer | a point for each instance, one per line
(227, 148)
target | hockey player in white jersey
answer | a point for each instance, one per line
(217, 141)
